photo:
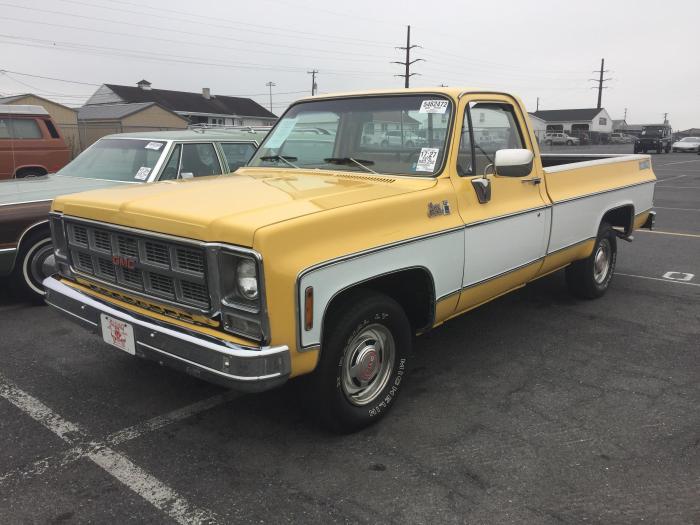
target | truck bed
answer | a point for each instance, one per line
(555, 159)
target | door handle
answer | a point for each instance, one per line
(533, 180)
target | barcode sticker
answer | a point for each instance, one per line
(143, 172)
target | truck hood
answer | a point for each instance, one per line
(47, 188)
(231, 208)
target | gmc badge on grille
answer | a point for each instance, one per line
(124, 262)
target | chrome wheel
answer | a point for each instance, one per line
(601, 261)
(39, 264)
(367, 364)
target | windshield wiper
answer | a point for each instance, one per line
(286, 159)
(362, 163)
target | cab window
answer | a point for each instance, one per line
(493, 127)
(237, 154)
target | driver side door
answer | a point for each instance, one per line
(506, 237)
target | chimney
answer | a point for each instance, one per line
(144, 84)
(206, 93)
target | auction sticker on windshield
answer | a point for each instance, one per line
(118, 333)
(427, 159)
(154, 145)
(433, 106)
(143, 172)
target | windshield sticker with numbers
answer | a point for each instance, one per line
(434, 106)
(154, 145)
(427, 159)
(142, 174)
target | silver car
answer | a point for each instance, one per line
(687, 144)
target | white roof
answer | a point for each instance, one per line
(21, 109)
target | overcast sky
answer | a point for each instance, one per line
(545, 49)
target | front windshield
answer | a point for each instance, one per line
(653, 132)
(691, 139)
(397, 134)
(125, 160)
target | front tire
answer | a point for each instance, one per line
(364, 354)
(34, 263)
(590, 278)
(569, 142)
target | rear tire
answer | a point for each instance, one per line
(30, 269)
(364, 354)
(590, 278)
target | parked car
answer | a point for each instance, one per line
(687, 144)
(30, 143)
(26, 253)
(408, 139)
(561, 138)
(657, 137)
(620, 138)
(328, 269)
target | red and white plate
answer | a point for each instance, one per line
(118, 333)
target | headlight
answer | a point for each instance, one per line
(242, 301)
(247, 279)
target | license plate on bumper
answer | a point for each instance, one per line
(118, 333)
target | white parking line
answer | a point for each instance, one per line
(677, 209)
(665, 179)
(657, 279)
(657, 232)
(179, 414)
(117, 465)
(680, 162)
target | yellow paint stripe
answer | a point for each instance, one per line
(668, 233)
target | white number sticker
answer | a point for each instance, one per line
(142, 174)
(433, 106)
(427, 159)
(154, 145)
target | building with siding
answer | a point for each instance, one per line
(197, 108)
(105, 119)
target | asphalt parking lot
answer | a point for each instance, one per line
(536, 408)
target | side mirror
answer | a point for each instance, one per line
(513, 162)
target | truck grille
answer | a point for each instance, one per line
(165, 270)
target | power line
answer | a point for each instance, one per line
(166, 57)
(408, 62)
(600, 81)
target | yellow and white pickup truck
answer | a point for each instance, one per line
(362, 220)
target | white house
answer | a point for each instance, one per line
(537, 125)
(576, 121)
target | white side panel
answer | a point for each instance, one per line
(505, 244)
(577, 220)
(442, 255)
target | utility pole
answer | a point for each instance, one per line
(625, 117)
(665, 118)
(601, 81)
(270, 85)
(408, 62)
(538, 104)
(314, 87)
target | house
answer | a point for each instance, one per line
(592, 122)
(537, 125)
(692, 132)
(99, 120)
(64, 117)
(197, 108)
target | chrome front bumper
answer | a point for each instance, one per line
(249, 369)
